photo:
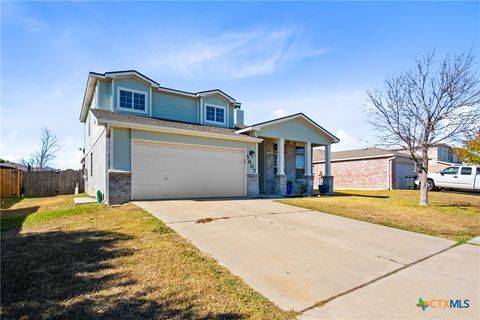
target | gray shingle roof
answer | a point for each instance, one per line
(109, 116)
(319, 155)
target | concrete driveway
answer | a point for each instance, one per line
(300, 259)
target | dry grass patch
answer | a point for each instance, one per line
(449, 215)
(116, 263)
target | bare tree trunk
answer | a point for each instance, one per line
(424, 178)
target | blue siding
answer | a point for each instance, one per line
(165, 105)
(216, 100)
(121, 148)
(174, 107)
(296, 129)
(230, 122)
(135, 85)
(104, 94)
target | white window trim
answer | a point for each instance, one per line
(133, 91)
(215, 106)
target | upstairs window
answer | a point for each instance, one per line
(131, 100)
(215, 114)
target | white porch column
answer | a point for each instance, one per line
(281, 156)
(308, 158)
(328, 159)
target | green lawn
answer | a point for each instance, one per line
(92, 261)
(449, 215)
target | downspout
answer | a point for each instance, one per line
(107, 163)
(389, 173)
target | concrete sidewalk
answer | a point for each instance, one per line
(298, 258)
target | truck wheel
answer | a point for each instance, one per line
(430, 185)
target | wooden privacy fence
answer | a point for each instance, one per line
(50, 183)
(10, 182)
(14, 183)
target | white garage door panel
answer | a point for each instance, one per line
(161, 171)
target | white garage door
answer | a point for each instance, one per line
(404, 169)
(166, 171)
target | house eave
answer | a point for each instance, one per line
(93, 77)
(163, 129)
(90, 88)
(258, 126)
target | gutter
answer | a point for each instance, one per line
(130, 125)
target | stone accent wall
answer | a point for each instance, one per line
(328, 180)
(252, 185)
(119, 187)
(358, 174)
(281, 184)
(310, 184)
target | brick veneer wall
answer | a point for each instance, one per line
(252, 185)
(358, 174)
(269, 161)
(120, 187)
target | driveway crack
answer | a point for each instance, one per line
(323, 302)
(209, 219)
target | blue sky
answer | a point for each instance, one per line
(276, 58)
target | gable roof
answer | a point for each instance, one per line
(300, 115)
(93, 77)
(155, 124)
(365, 153)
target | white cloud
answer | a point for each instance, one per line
(338, 111)
(347, 141)
(279, 113)
(230, 55)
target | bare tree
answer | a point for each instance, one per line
(427, 105)
(42, 158)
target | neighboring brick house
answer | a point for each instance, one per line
(370, 168)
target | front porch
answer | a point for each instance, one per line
(284, 162)
(284, 157)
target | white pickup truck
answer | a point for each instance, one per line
(456, 177)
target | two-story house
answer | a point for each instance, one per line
(145, 141)
(441, 156)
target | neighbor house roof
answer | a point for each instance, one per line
(366, 153)
(139, 122)
(13, 165)
(258, 126)
(94, 76)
